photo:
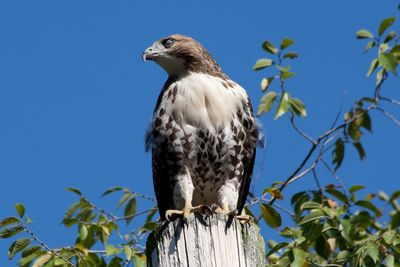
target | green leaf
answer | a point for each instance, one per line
(286, 42)
(128, 252)
(364, 34)
(11, 231)
(83, 232)
(338, 153)
(388, 62)
(395, 51)
(9, 220)
(354, 131)
(366, 121)
(372, 67)
(112, 190)
(298, 107)
(360, 150)
(309, 205)
(17, 246)
(395, 220)
(373, 252)
(130, 210)
(71, 210)
(369, 46)
(151, 213)
(266, 103)
(312, 216)
(388, 236)
(370, 206)
(297, 257)
(287, 75)
(283, 106)
(74, 190)
(263, 63)
(390, 261)
(356, 188)
(59, 262)
(266, 82)
(29, 251)
(322, 246)
(124, 199)
(115, 262)
(140, 260)
(289, 232)
(337, 194)
(390, 36)
(42, 260)
(394, 196)
(383, 196)
(148, 227)
(383, 48)
(111, 250)
(271, 216)
(386, 23)
(269, 47)
(291, 55)
(26, 260)
(343, 256)
(28, 220)
(20, 209)
(277, 247)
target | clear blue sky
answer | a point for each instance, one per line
(75, 98)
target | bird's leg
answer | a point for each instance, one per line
(244, 218)
(222, 209)
(187, 210)
(183, 195)
(227, 198)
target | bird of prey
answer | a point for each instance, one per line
(203, 134)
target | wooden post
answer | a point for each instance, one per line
(216, 241)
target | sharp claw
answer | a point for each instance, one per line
(214, 207)
(244, 218)
(207, 210)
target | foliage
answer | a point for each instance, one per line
(332, 225)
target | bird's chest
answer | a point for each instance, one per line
(200, 101)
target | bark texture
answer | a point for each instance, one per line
(216, 241)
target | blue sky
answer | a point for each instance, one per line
(75, 97)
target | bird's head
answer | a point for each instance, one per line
(177, 54)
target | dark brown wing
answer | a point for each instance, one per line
(162, 179)
(251, 129)
(248, 164)
(162, 172)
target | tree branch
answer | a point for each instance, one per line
(52, 251)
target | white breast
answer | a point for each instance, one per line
(203, 101)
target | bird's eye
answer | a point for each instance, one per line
(168, 43)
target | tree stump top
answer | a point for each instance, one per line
(216, 241)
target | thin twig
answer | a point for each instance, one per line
(317, 180)
(52, 251)
(393, 101)
(284, 209)
(298, 130)
(339, 111)
(335, 176)
(390, 116)
(110, 215)
(295, 176)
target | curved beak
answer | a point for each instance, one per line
(149, 54)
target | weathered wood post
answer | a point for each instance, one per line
(216, 241)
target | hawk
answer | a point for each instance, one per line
(203, 133)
